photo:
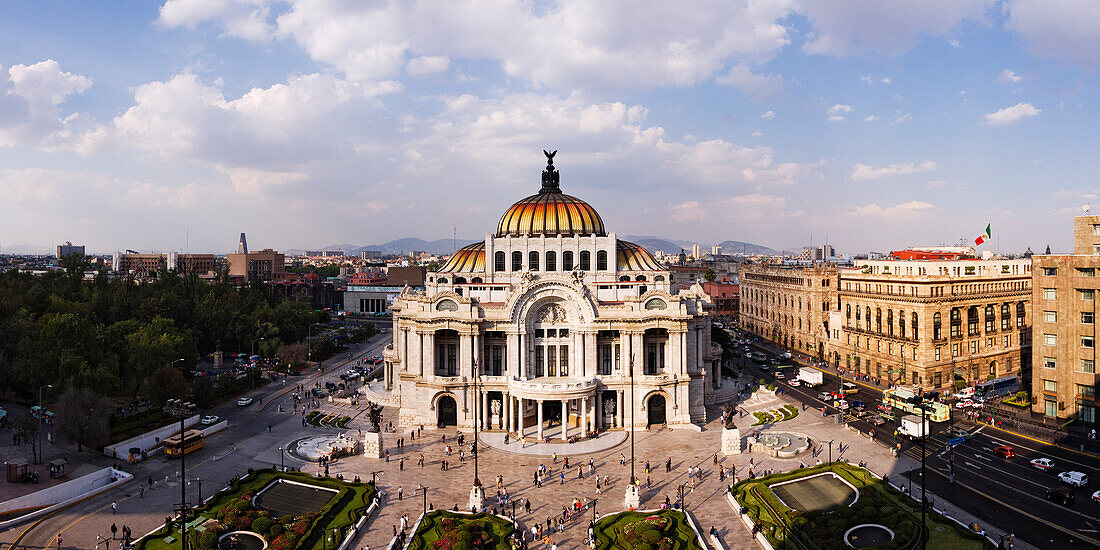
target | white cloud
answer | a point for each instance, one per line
(885, 80)
(954, 43)
(246, 19)
(30, 104)
(688, 212)
(871, 118)
(1012, 114)
(756, 85)
(768, 115)
(852, 27)
(864, 172)
(837, 112)
(1008, 77)
(1068, 30)
(757, 133)
(900, 117)
(614, 43)
(904, 210)
(867, 79)
(424, 65)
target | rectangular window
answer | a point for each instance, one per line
(1086, 413)
(551, 360)
(1087, 317)
(974, 347)
(1088, 365)
(605, 360)
(1050, 316)
(1050, 363)
(540, 361)
(1087, 342)
(1050, 294)
(1096, 229)
(954, 350)
(937, 379)
(1086, 272)
(1050, 407)
(1008, 341)
(654, 357)
(1050, 271)
(1087, 293)
(937, 354)
(1086, 391)
(1050, 339)
(1050, 386)
(563, 363)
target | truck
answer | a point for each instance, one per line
(810, 376)
(912, 427)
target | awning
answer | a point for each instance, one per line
(58, 462)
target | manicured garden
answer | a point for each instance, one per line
(443, 530)
(786, 412)
(656, 530)
(233, 510)
(317, 418)
(878, 503)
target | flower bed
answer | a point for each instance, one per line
(878, 503)
(233, 510)
(657, 530)
(442, 530)
(784, 413)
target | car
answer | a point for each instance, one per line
(977, 404)
(779, 375)
(964, 403)
(1096, 496)
(825, 396)
(787, 354)
(1077, 479)
(1044, 464)
(244, 401)
(965, 393)
(858, 404)
(876, 420)
(888, 416)
(765, 367)
(794, 382)
(1061, 494)
(209, 419)
(841, 404)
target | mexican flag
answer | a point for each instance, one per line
(984, 236)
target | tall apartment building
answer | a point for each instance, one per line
(1064, 292)
(69, 248)
(789, 306)
(199, 264)
(265, 265)
(140, 264)
(926, 322)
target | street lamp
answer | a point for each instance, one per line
(41, 414)
(174, 361)
(309, 341)
(183, 409)
(282, 455)
(831, 449)
(920, 404)
(254, 346)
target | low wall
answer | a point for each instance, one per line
(62, 495)
(147, 440)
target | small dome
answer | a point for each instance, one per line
(631, 257)
(470, 258)
(550, 212)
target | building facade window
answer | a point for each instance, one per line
(601, 260)
(1088, 365)
(1050, 339)
(567, 260)
(1050, 316)
(586, 260)
(1087, 293)
(1050, 386)
(1087, 317)
(1050, 363)
(551, 261)
(1087, 342)
(1050, 271)
(533, 260)
(1050, 294)
(517, 261)
(499, 261)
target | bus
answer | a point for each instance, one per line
(997, 387)
(176, 446)
(849, 388)
(899, 399)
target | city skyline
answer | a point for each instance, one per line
(310, 123)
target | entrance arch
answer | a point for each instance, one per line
(655, 409)
(446, 411)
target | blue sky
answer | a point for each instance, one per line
(176, 126)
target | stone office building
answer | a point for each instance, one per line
(789, 306)
(544, 325)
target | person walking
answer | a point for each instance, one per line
(114, 531)
(58, 541)
(400, 492)
(114, 505)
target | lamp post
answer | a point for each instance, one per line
(41, 415)
(282, 457)
(633, 480)
(174, 361)
(424, 493)
(182, 409)
(920, 404)
(477, 494)
(831, 449)
(309, 342)
(253, 345)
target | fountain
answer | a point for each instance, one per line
(241, 540)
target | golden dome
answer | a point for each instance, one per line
(550, 212)
(470, 258)
(631, 257)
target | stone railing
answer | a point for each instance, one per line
(551, 388)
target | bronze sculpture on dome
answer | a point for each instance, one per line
(550, 175)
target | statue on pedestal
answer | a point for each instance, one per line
(729, 412)
(374, 411)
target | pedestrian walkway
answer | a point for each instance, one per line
(603, 442)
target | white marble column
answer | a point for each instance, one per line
(519, 414)
(507, 413)
(564, 418)
(539, 430)
(620, 412)
(593, 421)
(427, 362)
(583, 416)
(512, 354)
(465, 355)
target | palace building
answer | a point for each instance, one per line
(542, 327)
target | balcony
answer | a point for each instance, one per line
(552, 387)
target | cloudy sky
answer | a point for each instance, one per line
(312, 122)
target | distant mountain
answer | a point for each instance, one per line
(447, 246)
(26, 249)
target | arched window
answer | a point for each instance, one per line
(517, 261)
(551, 261)
(901, 322)
(441, 280)
(460, 280)
(867, 317)
(498, 261)
(624, 278)
(890, 321)
(878, 320)
(586, 260)
(640, 278)
(533, 261)
(914, 325)
(659, 279)
(601, 260)
(567, 260)
(476, 280)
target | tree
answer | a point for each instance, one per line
(26, 427)
(165, 383)
(82, 417)
(710, 275)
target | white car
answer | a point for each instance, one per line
(244, 401)
(842, 404)
(795, 382)
(1044, 464)
(1096, 496)
(780, 375)
(209, 419)
(964, 404)
(1077, 479)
